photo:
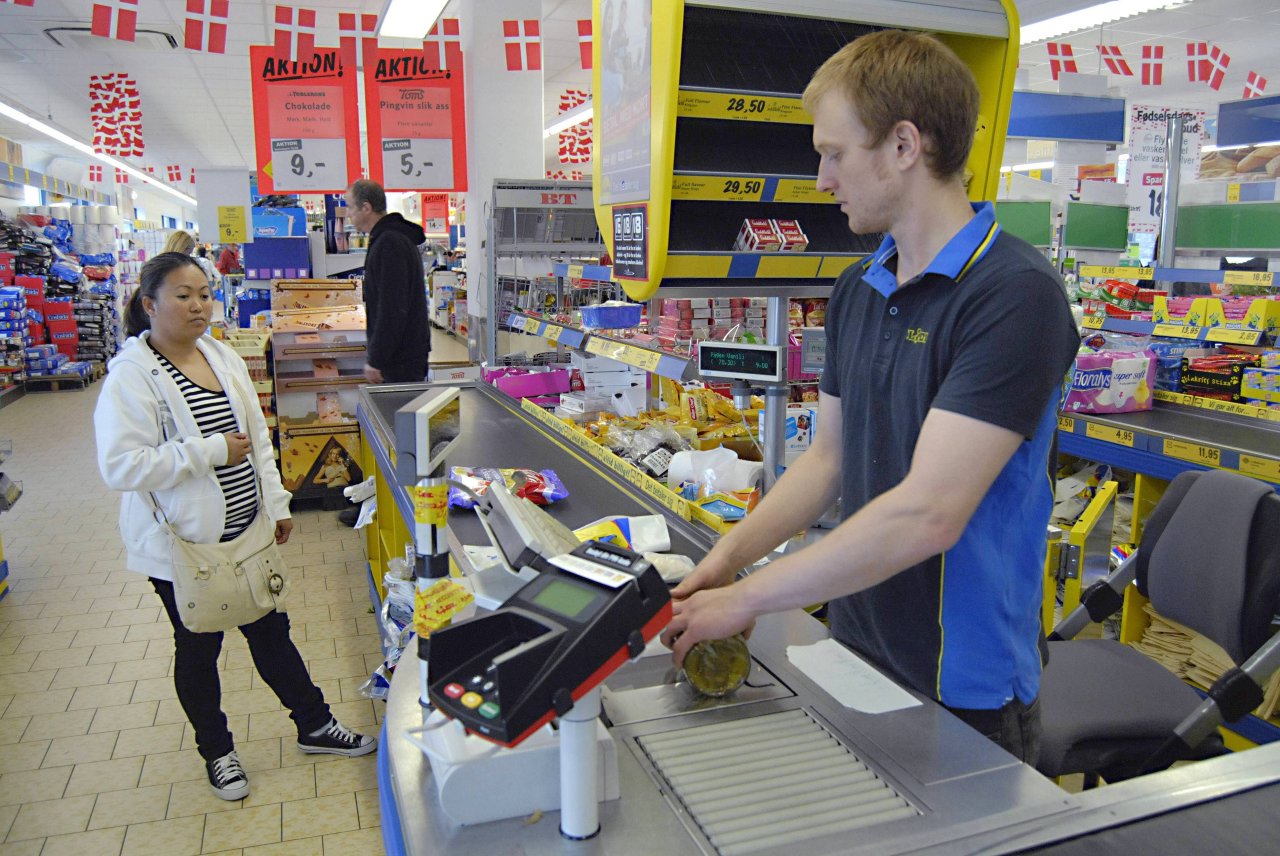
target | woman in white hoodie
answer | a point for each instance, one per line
(171, 423)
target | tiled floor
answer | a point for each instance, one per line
(96, 756)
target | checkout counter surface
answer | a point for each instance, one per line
(966, 795)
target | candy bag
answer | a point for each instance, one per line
(541, 487)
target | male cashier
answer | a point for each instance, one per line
(946, 355)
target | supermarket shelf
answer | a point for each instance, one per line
(14, 174)
(728, 187)
(651, 360)
(1225, 335)
(738, 266)
(592, 273)
(1159, 274)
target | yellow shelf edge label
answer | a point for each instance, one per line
(1177, 331)
(1193, 452)
(1093, 322)
(1119, 436)
(1116, 272)
(1066, 423)
(553, 333)
(752, 108)
(1233, 337)
(801, 190)
(1218, 406)
(716, 188)
(1263, 468)
(1248, 277)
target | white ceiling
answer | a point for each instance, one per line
(197, 110)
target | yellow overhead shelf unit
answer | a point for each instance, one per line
(698, 126)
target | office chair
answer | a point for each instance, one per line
(1209, 559)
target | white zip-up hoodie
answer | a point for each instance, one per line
(148, 440)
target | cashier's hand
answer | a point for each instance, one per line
(371, 374)
(715, 613)
(707, 575)
(283, 530)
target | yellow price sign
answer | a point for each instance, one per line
(1093, 322)
(752, 108)
(575, 271)
(532, 326)
(600, 347)
(1066, 423)
(430, 504)
(1248, 277)
(1263, 468)
(1176, 331)
(1193, 452)
(715, 188)
(641, 358)
(1233, 337)
(233, 226)
(1117, 272)
(1233, 191)
(552, 333)
(801, 190)
(1119, 436)
(435, 607)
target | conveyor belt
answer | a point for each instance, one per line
(1175, 421)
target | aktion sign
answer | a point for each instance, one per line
(306, 122)
(416, 121)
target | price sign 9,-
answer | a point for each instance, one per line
(308, 164)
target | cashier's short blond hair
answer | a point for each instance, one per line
(892, 76)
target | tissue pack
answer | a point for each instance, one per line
(1111, 382)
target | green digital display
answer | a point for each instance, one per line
(729, 360)
(565, 598)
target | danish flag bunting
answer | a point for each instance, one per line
(584, 42)
(1255, 85)
(443, 44)
(151, 170)
(1116, 63)
(295, 32)
(1218, 62)
(1061, 58)
(175, 173)
(20, 2)
(122, 177)
(95, 173)
(1198, 67)
(192, 179)
(115, 112)
(357, 37)
(575, 142)
(1152, 65)
(524, 45)
(115, 19)
(206, 26)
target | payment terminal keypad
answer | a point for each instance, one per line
(477, 693)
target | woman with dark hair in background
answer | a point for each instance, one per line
(170, 423)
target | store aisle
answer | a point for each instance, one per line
(96, 756)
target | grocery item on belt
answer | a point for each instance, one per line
(717, 667)
(541, 487)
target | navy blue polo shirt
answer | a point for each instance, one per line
(986, 332)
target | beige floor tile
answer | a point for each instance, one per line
(367, 806)
(168, 710)
(102, 695)
(27, 682)
(169, 767)
(84, 621)
(81, 676)
(142, 615)
(258, 755)
(249, 701)
(119, 652)
(329, 597)
(298, 847)
(238, 726)
(61, 659)
(299, 614)
(31, 785)
(281, 785)
(46, 642)
(235, 659)
(354, 609)
(214, 853)
(124, 716)
(292, 756)
(16, 757)
(99, 842)
(16, 664)
(246, 828)
(101, 591)
(363, 842)
(354, 713)
(37, 704)
(99, 636)
(196, 798)
(148, 632)
(271, 723)
(153, 689)
(137, 586)
(7, 814)
(337, 668)
(52, 725)
(30, 847)
(150, 740)
(139, 805)
(161, 647)
(348, 775)
(80, 749)
(51, 817)
(139, 670)
(330, 629)
(183, 836)
(349, 689)
(115, 604)
(320, 816)
(98, 777)
(349, 645)
(319, 649)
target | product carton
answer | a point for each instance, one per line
(792, 237)
(757, 236)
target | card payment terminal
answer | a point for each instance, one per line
(506, 674)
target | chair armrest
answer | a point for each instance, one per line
(1098, 601)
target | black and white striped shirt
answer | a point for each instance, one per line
(213, 414)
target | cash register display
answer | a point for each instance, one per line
(567, 600)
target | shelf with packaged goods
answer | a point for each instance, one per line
(668, 365)
(1209, 335)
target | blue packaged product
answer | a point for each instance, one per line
(40, 352)
(65, 271)
(108, 259)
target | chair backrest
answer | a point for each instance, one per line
(1210, 558)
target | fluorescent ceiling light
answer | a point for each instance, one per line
(1240, 146)
(52, 132)
(569, 121)
(1091, 17)
(410, 19)
(1026, 167)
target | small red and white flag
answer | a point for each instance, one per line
(20, 2)
(175, 173)
(295, 32)
(524, 45)
(575, 142)
(192, 179)
(1218, 62)
(95, 173)
(443, 44)
(584, 42)
(122, 177)
(1255, 85)
(1061, 59)
(1152, 65)
(1116, 63)
(115, 19)
(357, 38)
(151, 170)
(115, 111)
(206, 26)
(1198, 67)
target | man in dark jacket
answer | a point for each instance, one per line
(395, 294)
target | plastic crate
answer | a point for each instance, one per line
(611, 317)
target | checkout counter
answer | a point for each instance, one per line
(782, 762)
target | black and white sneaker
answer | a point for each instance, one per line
(227, 777)
(336, 739)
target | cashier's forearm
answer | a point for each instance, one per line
(807, 489)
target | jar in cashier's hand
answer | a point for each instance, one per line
(717, 667)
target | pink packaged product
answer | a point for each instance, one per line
(1112, 382)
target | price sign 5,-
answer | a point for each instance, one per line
(418, 163)
(308, 164)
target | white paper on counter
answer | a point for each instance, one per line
(848, 678)
(367, 509)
